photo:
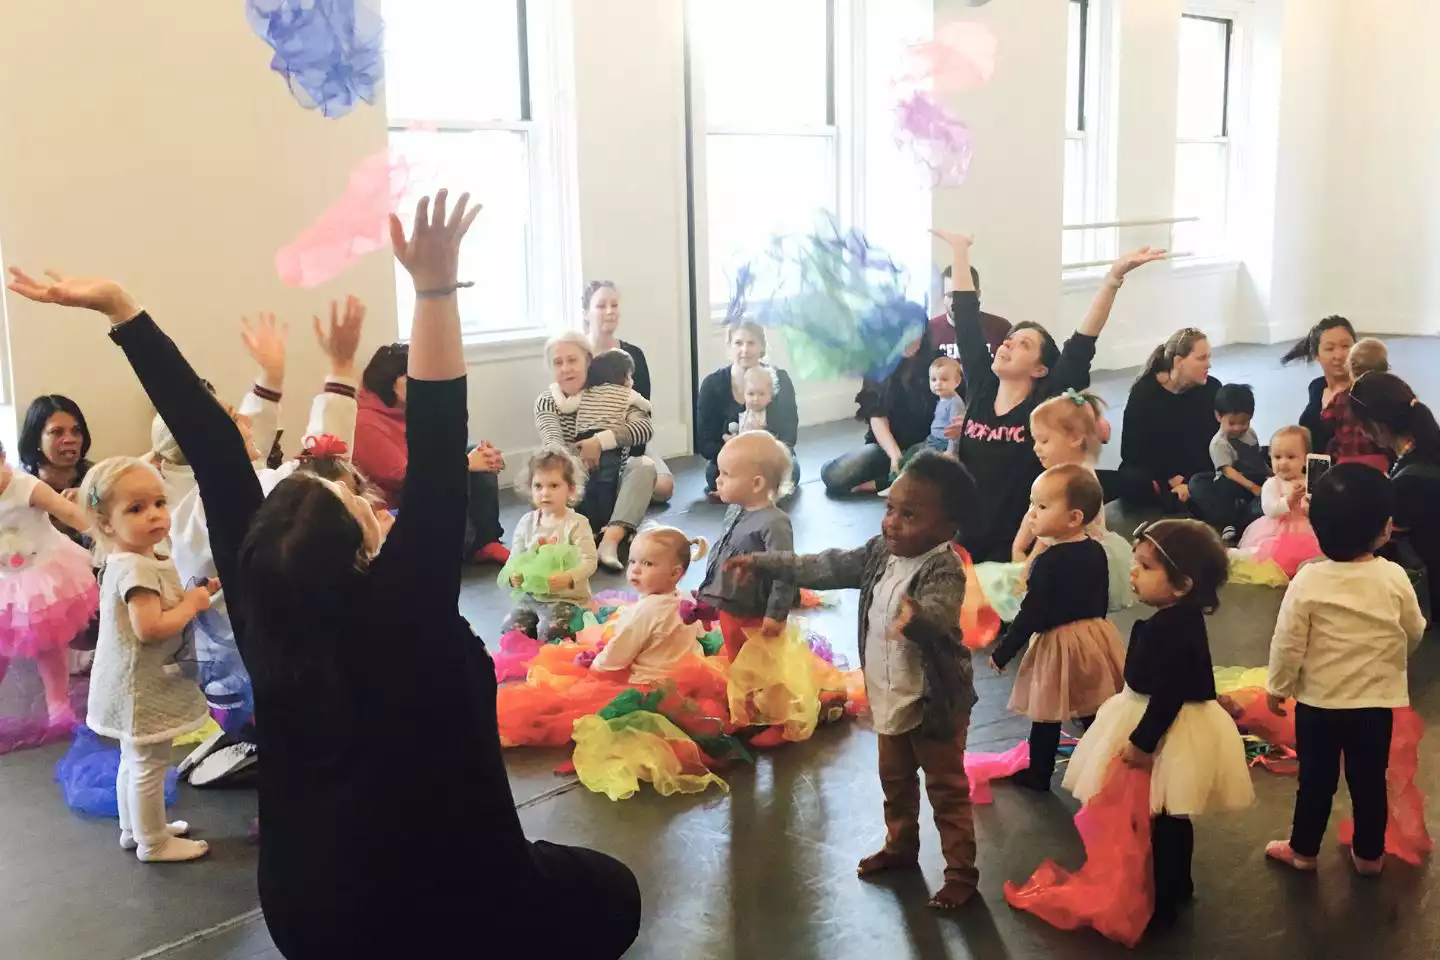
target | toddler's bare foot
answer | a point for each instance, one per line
(952, 896)
(883, 861)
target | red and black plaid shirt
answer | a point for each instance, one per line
(1349, 443)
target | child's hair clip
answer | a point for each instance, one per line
(95, 497)
(1075, 397)
(324, 445)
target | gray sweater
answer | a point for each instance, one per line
(749, 532)
(938, 590)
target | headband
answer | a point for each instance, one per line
(323, 445)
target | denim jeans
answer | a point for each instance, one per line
(868, 464)
(1221, 502)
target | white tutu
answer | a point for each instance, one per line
(1199, 766)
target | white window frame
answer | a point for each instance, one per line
(1238, 14)
(548, 123)
(1098, 133)
(845, 110)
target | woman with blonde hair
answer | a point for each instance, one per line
(722, 401)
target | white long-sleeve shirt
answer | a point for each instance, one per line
(536, 529)
(330, 412)
(650, 639)
(1344, 635)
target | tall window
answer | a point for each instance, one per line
(1087, 184)
(767, 78)
(1202, 149)
(470, 86)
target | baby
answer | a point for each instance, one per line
(945, 380)
(759, 391)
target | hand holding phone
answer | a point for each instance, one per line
(1315, 466)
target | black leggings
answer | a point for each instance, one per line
(1361, 737)
(1172, 847)
(1044, 744)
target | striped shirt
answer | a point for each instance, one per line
(609, 409)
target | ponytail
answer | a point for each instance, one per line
(1162, 358)
(685, 549)
(699, 547)
(1308, 348)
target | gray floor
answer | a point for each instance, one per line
(766, 871)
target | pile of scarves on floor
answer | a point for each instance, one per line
(674, 734)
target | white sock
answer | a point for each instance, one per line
(173, 850)
(177, 829)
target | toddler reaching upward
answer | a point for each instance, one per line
(650, 636)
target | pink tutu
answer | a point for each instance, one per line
(48, 605)
(1285, 541)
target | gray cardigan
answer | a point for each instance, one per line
(938, 590)
(750, 532)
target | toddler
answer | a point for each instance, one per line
(47, 588)
(1073, 660)
(1229, 500)
(1283, 535)
(759, 388)
(138, 693)
(754, 472)
(1346, 628)
(556, 482)
(945, 380)
(1167, 719)
(1351, 443)
(608, 399)
(650, 636)
(917, 672)
(1071, 429)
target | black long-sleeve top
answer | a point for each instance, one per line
(396, 734)
(1068, 582)
(642, 382)
(1168, 434)
(997, 448)
(1312, 417)
(1168, 660)
(718, 408)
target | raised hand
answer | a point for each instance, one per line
(956, 241)
(1136, 258)
(431, 255)
(340, 338)
(265, 342)
(88, 293)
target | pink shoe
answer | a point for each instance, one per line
(1280, 850)
(1367, 868)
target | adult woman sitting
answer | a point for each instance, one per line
(54, 446)
(898, 412)
(334, 628)
(1334, 430)
(568, 356)
(602, 323)
(1393, 417)
(383, 457)
(1168, 425)
(722, 401)
(1028, 369)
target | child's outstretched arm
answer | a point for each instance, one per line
(333, 410)
(779, 539)
(831, 570)
(153, 623)
(265, 341)
(933, 610)
(55, 504)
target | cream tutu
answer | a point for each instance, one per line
(1199, 766)
(1069, 671)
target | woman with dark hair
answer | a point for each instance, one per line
(602, 322)
(1334, 430)
(722, 401)
(1168, 425)
(1394, 418)
(333, 627)
(382, 455)
(54, 445)
(1028, 369)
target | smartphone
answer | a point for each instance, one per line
(1315, 466)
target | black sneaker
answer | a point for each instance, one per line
(1230, 536)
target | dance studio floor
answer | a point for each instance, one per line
(767, 871)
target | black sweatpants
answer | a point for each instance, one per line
(1360, 737)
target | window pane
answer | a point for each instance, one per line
(1203, 71)
(448, 60)
(493, 165)
(1073, 241)
(765, 62)
(761, 186)
(1202, 174)
(1073, 80)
